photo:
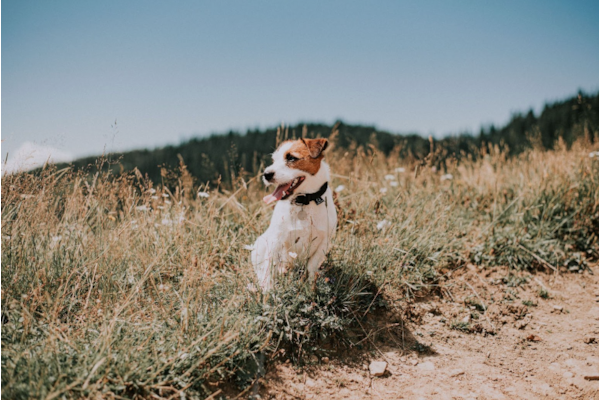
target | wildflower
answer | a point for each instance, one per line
(400, 170)
(394, 183)
(293, 255)
(165, 195)
(381, 225)
(369, 273)
(142, 208)
(251, 288)
(154, 197)
(203, 194)
(162, 286)
(340, 188)
(389, 177)
(383, 190)
(167, 202)
(593, 154)
(446, 177)
(152, 191)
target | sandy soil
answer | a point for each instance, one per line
(444, 346)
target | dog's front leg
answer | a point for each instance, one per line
(315, 261)
(262, 259)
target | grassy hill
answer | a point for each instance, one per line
(221, 158)
(114, 287)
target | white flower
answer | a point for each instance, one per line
(142, 208)
(167, 202)
(203, 194)
(163, 287)
(152, 191)
(165, 195)
(340, 188)
(400, 170)
(593, 154)
(389, 177)
(394, 183)
(154, 197)
(292, 254)
(447, 177)
(383, 190)
(166, 221)
(381, 225)
(251, 288)
(56, 238)
(369, 273)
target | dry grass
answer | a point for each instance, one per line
(113, 288)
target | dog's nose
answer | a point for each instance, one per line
(269, 175)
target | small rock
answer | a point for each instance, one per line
(522, 324)
(325, 359)
(414, 362)
(557, 308)
(427, 366)
(310, 382)
(534, 338)
(590, 340)
(377, 368)
(466, 319)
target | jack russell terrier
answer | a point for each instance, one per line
(304, 220)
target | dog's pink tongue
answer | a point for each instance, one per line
(277, 194)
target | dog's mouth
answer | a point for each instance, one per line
(284, 191)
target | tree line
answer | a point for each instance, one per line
(223, 157)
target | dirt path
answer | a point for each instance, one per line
(524, 346)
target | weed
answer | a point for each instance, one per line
(543, 293)
(460, 326)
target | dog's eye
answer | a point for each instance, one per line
(290, 158)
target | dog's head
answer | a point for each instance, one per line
(293, 162)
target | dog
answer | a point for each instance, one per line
(304, 220)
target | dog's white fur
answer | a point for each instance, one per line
(297, 233)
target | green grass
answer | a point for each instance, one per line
(112, 287)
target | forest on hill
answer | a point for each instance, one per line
(222, 157)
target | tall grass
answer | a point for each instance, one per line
(114, 288)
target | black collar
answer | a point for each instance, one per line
(305, 199)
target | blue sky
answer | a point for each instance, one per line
(167, 71)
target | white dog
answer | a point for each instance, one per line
(304, 220)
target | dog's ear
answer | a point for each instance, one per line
(315, 146)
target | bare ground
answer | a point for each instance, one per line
(445, 346)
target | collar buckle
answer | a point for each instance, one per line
(305, 199)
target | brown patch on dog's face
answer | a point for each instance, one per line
(306, 155)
